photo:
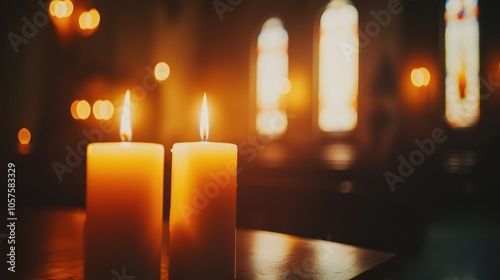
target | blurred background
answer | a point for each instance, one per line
(329, 103)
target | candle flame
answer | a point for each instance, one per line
(204, 119)
(125, 128)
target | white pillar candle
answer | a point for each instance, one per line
(203, 209)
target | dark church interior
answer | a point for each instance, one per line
(404, 171)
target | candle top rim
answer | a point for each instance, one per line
(204, 143)
(126, 144)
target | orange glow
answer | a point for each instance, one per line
(415, 99)
(60, 12)
(24, 136)
(24, 149)
(74, 114)
(89, 21)
(65, 228)
(126, 128)
(61, 8)
(204, 125)
(162, 71)
(298, 98)
(83, 109)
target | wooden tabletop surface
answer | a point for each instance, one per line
(49, 245)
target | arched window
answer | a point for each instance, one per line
(462, 63)
(272, 78)
(338, 67)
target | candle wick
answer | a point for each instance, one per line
(204, 135)
(125, 137)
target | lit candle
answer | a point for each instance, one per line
(203, 208)
(123, 232)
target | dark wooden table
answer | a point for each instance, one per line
(49, 245)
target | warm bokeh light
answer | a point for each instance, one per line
(126, 126)
(338, 67)
(462, 63)
(106, 110)
(335, 119)
(204, 124)
(420, 77)
(271, 123)
(103, 109)
(426, 76)
(95, 19)
(162, 71)
(339, 156)
(52, 7)
(298, 99)
(82, 20)
(272, 76)
(416, 77)
(24, 136)
(96, 109)
(83, 109)
(283, 85)
(89, 20)
(62, 15)
(74, 114)
(61, 8)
